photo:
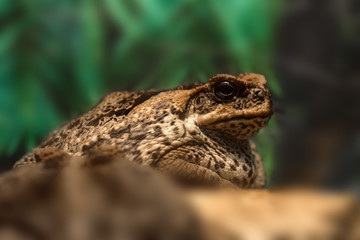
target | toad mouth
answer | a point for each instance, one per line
(245, 116)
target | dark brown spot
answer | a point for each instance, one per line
(81, 130)
(195, 133)
(236, 162)
(154, 155)
(247, 160)
(208, 164)
(139, 137)
(197, 159)
(167, 143)
(64, 134)
(250, 173)
(73, 124)
(252, 180)
(136, 152)
(159, 118)
(173, 110)
(118, 132)
(198, 100)
(94, 122)
(157, 131)
(100, 141)
(88, 146)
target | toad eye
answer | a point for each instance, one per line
(225, 90)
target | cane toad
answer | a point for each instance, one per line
(197, 133)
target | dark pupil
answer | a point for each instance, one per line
(225, 90)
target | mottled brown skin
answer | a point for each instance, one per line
(194, 133)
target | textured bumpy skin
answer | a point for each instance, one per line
(197, 133)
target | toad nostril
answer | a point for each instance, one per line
(258, 92)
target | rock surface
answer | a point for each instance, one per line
(104, 196)
(283, 214)
(98, 196)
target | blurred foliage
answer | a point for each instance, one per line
(58, 57)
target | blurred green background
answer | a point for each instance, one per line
(58, 58)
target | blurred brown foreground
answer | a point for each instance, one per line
(103, 196)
